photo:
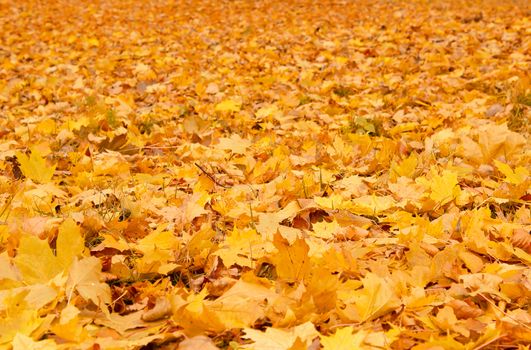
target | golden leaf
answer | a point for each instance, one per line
(85, 277)
(235, 144)
(280, 339)
(292, 261)
(34, 167)
(32, 250)
(444, 188)
(516, 177)
(228, 106)
(344, 339)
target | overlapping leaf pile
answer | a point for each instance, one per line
(265, 174)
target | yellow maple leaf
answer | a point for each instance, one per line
(325, 230)
(372, 204)
(280, 339)
(93, 41)
(158, 249)
(446, 320)
(243, 247)
(242, 304)
(516, 177)
(70, 243)
(47, 126)
(267, 111)
(495, 140)
(335, 201)
(375, 299)
(111, 163)
(269, 222)
(34, 167)
(344, 339)
(7, 270)
(193, 314)
(195, 205)
(30, 251)
(68, 326)
(85, 277)
(17, 317)
(444, 188)
(228, 106)
(234, 143)
(407, 167)
(292, 261)
(23, 342)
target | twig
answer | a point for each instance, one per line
(210, 176)
(503, 312)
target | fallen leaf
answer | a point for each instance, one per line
(34, 167)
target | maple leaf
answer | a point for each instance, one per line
(234, 144)
(243, 247)
(446, 320)
(17, 317)
(234, 180)
(23, 342)
(111, 163)
(70, 244)
(292, 261)
(344, 338)
(444, 188)
(407, 167)
(158, 252)
(242, 304)
(267, 111)
(269, 222)
(326, 230)
(194, 315)
(376, 298)
(34, 167)
(372, 205)
(85, 278)
(228, 106)
(280, 339)
(516, 177)
(69, 326)
(32, 249)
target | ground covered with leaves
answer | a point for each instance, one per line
(265, 174)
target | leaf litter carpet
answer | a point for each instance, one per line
(265, 175)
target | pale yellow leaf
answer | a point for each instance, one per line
(23, 342)
(85, 277)
(234, 143)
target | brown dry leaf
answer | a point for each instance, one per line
(462, 309)
(522, 239)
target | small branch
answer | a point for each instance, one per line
(503, 312)
(210, 176)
